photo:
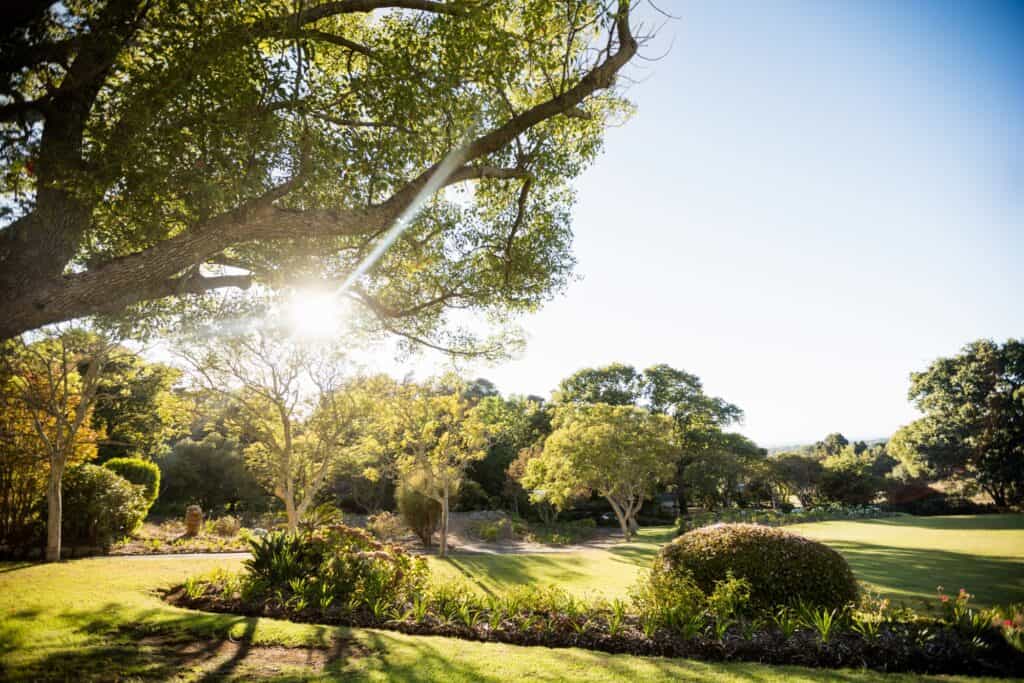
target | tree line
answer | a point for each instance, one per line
(255, 421)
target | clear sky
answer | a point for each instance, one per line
(812, 200)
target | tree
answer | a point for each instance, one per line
(139, 413)
(289, 405)
(698, 417)
(973, 423)
(849, 478)
(831, 445)
(797, 474)
(512, 423)
(45, 381)
(211, 473)
(620, 452)
(722, 474)
(434, 434)
(153, 151)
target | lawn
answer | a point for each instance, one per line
(902, 557)
(102, 618)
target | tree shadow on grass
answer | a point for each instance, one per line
(209, 646)
(518, 569)
(914, 573)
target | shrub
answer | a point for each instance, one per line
(669, 599)
(226, 526)
(471, 496)
(335, 565)
(492, 531)
(387, 526)
(212, 474)
(138, 471)
(100, 506)
(421, 514)
(781, 567)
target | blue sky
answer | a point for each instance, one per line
(812, 200)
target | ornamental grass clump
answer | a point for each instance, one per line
(335, 565)
(781, 567)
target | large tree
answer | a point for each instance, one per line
(622, 453)
(973, 424)
(159, 150)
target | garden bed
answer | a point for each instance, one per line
(925, 647)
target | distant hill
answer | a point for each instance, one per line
(772, 450)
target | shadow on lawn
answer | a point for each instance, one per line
(916, 572)
(517, 569)
(160, 648)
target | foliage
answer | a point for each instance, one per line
(421, 514)
(471, 496)
(210, 473)
(818, 513)
(620, 452)
(973, 406)
(174, 140)
(334, 565)
(50, 385)
(435, 434)
(512, 424)
(849, 479)
(227, 525)
(292, 407)
(781, 567)
(699, 419)
(137, 410)
(140, 472)
(100, 506)
(726, 472)
(386, 526)
(561, 532)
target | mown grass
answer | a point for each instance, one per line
(905, 558)
(89, 619)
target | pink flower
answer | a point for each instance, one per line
(944, 598)
(1007, 623)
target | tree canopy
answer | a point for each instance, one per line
(156, 151)
(973, 405)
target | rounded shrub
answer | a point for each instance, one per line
(100, 506)
(781, 567)
(138, 471)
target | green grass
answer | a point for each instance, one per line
(608, 573)
(93, 619)
(902, 557)
(88, 620)
(908, 557)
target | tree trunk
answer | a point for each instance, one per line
(623, 524)
(54, 512)
(444, 525)
(289, 508)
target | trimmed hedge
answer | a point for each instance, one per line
(782, 567)
(138, 471)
